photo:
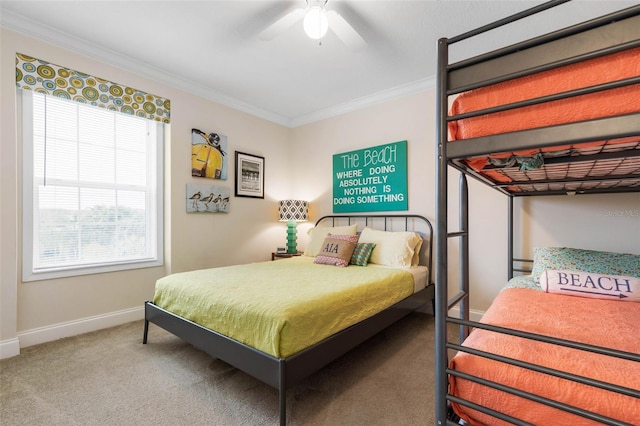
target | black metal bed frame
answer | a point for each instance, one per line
(282, 373)
(598, 37)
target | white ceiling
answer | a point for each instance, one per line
(212, 47)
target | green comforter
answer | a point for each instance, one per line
(284, 306)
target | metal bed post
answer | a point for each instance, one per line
(441, 236)
(510, 240)
(282, 391)
(464, 255)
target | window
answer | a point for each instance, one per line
(92, 189)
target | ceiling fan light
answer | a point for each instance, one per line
(316, 23)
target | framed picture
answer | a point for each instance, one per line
(249, 175)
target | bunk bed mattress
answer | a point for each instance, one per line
(607, 103)
(607, 323)
(282, 307)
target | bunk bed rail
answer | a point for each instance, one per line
(597, 38)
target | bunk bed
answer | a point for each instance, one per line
(553, 115)
(227, 313)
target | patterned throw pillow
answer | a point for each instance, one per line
(362, 253)
(337, 250)
(595, 262)
(319, 233)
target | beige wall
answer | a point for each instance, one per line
(599, 222)
(41, 310)
(297, 164)
(410, 118)
(596, 222)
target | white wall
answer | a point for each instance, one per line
(43, 310)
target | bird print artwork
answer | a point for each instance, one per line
(207, 199)
(194, 199)
(208, 155)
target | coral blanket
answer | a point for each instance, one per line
(606, 323)
(608, 103)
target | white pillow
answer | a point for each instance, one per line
(399, 249)
(319, 233)
(586, 284)
(415, 260)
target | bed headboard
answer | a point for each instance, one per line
(398, 223)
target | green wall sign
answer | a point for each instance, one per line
(371, 179)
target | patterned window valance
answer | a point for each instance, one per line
(44, 77)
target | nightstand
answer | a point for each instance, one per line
(275, 255)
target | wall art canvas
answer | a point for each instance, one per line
(371, 179)
(207, 198)
(208, 155)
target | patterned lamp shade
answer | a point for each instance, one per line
(293, 210)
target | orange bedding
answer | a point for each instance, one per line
(606, 323)
(596, 105)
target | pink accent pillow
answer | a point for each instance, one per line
(337, 250)
(586, 284)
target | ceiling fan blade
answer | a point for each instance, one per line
(282, 24)
(344, 31)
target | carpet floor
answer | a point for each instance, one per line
(109, 377)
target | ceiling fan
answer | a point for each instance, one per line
(317, 20)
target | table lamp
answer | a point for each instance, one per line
(293, 211)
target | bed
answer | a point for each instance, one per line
(280, 321)
(592, 323)
(554, 115)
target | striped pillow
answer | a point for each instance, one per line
(362, 253)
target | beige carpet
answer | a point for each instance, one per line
(109, 378)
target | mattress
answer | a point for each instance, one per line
(420, 275)
(620, 101)
(606, 323)
(285, 306)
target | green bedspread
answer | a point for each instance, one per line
(284, 306)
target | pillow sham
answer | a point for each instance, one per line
(596, 262)
(415, 260)
(319, 233)
(392, 248)
(337, 250)
(362, 254)
(586, 284)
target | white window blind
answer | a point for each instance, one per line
(92, 189)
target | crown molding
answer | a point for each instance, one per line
(48, 34)
(387, 95)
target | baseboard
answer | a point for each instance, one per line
(36, 336)
(40, 335)
(473, 314)
(9, 348)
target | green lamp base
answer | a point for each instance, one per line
(292, 232)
